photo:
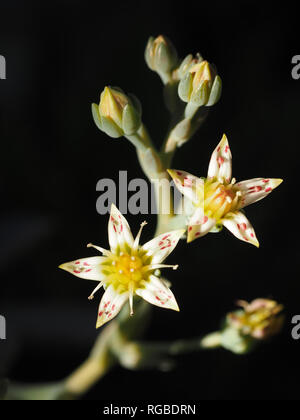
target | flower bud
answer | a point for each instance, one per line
(117, 114)
(259, 319)
(256, 321)
(200, 83)
(161, 55)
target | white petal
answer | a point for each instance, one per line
(161, 246)
(201, 226)
(239, 225)
(197, 218)
(220, 162)
(255, 189)
(86, 268)
(110, 305)
(157, 293)
(189, 185)
(119, 232)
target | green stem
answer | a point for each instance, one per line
(99, 362)
(154, 168)
(183, 128)
(165, 77)
(209, 341)
(190, 110)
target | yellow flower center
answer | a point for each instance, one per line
(126, 271)
(218, 198)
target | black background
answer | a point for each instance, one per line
(59, 58)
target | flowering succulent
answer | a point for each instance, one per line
(218, 199)
(128, 268)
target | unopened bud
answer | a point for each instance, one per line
(256, 321)
(117, 114)
(161, 55)
(200, 83)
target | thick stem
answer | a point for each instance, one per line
(190, 110)
(183, 128)
(165, 77)
(210, 341)
(95, 366)
(89, 373)
(154, 168)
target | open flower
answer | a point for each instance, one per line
(218, 199)
(128, 268)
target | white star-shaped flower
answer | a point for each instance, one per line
(128, 268)
(218, 199)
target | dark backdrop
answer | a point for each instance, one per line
(59, 57)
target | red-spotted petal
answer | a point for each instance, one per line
(220, 163)
(256, 189)
(200, 226)
(189, 185)
(239, 225)
(110, 305)
(86, 268)
(157, 293)
(119, 232)
(161, 246)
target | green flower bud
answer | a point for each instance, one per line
(160, 55)
(199, 84)
(117, 114)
